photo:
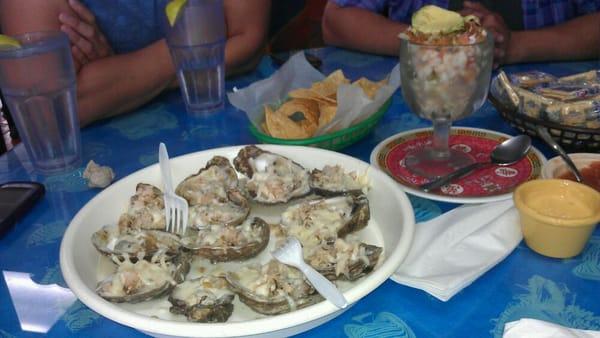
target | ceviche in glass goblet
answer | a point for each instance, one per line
(444, 78)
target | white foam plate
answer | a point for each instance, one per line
(391, 226)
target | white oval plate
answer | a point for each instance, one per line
(391, 214)
(536, 161)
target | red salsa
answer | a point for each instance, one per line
(591, 175)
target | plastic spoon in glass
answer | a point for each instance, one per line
(545, 135)
(506, 153)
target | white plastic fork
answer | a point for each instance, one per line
(176, 207)
(290, 253)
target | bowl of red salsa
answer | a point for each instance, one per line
(587, 163)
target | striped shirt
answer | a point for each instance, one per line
(536, 13)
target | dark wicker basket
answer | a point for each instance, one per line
(573, 139)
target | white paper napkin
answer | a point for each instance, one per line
(534, 328)
(353, 104)
(452, 250)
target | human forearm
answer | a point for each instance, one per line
(247, 26)
(119, 83)
(241, 55)
(575, 39)
(361, 29)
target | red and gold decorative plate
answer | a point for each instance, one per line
(489, 184)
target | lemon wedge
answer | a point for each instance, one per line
(173, 8)
(7, 41)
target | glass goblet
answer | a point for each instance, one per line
(443, 83)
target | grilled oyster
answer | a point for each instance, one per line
(343, 259)
(221, 243)
(273, 288)
(146, 210)
(206, 299)
(213, 195)
(272, 178)
(142, 280)
(135, 244)
(316, 221)
(334, 180)
(232, 210)
(210, 183)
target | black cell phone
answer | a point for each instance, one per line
(16, 198)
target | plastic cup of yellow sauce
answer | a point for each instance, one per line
(557, 216)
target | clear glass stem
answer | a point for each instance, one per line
(441, 134)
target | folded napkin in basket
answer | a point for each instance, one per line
(452, 250)
(534, 328)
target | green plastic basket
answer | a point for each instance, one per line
(333, 141)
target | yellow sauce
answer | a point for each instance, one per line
(562, 205)
(562, 201)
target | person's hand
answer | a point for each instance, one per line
(494, 23)
(88, 43)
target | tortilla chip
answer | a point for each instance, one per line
(281, 126)
(327, 113)
(303, 93)
(264, 126)
(309, 106)
(328, 86)
(369, 87)
(325, 89)
(336, 78)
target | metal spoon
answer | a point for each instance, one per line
(545, 135)
(506, 153)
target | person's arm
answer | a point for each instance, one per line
(361, 29)
(107, 86)
(576, 39)
(247, 28)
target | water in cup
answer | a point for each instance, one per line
(38, 81)
(201, 74)
(50, 114)
(196, 41)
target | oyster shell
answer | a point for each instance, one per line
(210, 183)
(142, 280)
(334, 180)
(146, 210)
(232, 210)
(135, 244)
(314, 222)
(273, 288)
(213, 195)
(344, 259)
(221, 243)
(272, 178)
(206, 299)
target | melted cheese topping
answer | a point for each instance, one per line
(315, 221)
(215, 213)
(335, 178)
(227, 236)
(272, 280)
(137, 243)
(276, 179)
(209, 186)
(343, 254)
(146, 208)
(204, 290)
(137, 278)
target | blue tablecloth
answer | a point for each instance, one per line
(525, 284)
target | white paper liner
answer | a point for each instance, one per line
(353, 104)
